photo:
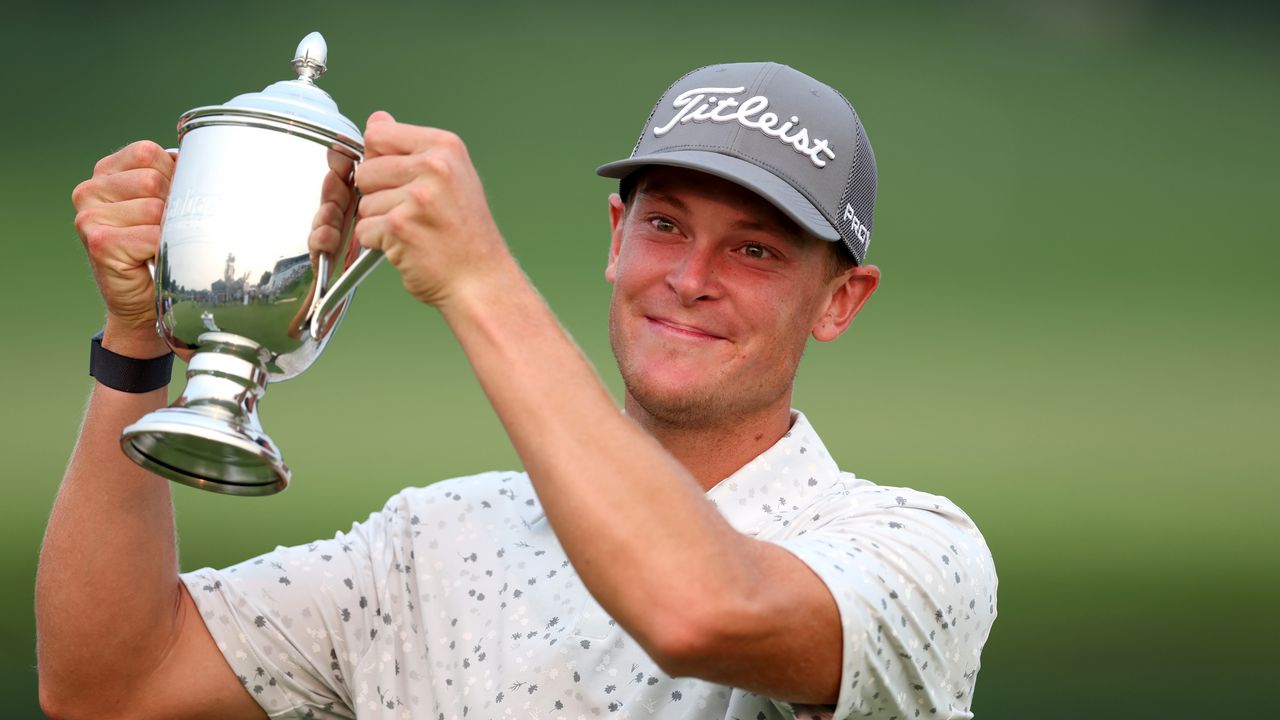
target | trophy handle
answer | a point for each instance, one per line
(330, 298)
(333, 297)
(151, 262)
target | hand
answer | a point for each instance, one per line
(118, 214)
(333, 217)
(424, 207)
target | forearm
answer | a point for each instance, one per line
(107, 586)
(635, 524)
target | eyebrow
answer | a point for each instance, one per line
(661, 196)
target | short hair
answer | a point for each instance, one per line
(627, 185)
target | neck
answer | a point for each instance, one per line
(713, 449)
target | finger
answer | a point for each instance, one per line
(329, 214)
(326, 231)
(371, 232)
(123, 214)
(145, 182)
(141, 154)
(123, 249)
(379, 117)
(340, 162)
(382, 202)
(337, 182)
(324, 240)
(393, 138)
(336, 189)
(392, 171)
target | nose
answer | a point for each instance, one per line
(694, 277)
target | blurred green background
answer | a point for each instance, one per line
(1075, 340)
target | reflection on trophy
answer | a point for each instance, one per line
(254, 273)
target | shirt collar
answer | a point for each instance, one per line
(784, 478)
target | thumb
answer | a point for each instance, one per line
(380, 117)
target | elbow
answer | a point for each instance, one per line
(691, 642)
(53, 698)
(679, 653)
(59, 702)
(60, 696)
(703, 631)
(53, 703)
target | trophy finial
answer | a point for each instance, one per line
(309, 60)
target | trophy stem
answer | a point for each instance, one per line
(210, 438)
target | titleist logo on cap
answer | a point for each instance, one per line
(711, 103)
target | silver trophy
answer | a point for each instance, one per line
(255, 269)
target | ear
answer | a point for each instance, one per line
(617, 213)
(849, 292)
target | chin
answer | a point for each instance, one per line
(682, 404)
(673, 408)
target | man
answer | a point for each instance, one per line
(698, 556)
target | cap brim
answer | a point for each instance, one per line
(775, 190)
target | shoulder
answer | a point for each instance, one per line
(865, 494)
(456, 489)
(918, 519)
(859, 511)
(486, 489)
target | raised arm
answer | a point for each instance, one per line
(117, 634)
(701, 598)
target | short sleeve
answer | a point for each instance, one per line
(295, 622)
(915, 585)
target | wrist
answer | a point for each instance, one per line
(491, 292)
(132, 341)
(128, 374)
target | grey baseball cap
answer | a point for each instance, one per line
(794, 141)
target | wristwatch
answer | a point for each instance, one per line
(127, 374)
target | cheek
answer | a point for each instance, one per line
(635, 268)
(790, 319)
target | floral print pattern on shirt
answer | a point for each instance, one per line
(457, 601)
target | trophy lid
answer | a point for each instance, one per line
(297, 106)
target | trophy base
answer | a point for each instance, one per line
(194, 448)
(210, 437)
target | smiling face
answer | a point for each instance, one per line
(715, 294)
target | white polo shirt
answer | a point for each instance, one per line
(457, 601)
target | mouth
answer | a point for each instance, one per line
(677, 329)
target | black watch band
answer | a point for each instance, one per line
(125, 373)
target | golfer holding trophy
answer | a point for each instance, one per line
(699, 555)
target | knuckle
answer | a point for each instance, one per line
(365, 235)
(421, 195)
(82, 192)
(101, 167)
(97, 238)
(86, 218)
(450, 141)
(153, 211)
(151, 183)
(141, 153)
(398, 222)
(431, 164)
